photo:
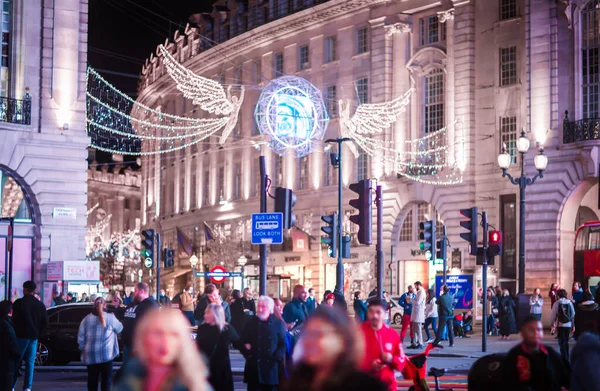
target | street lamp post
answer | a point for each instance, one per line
(540, 161)
(242, 261)
(194, 261)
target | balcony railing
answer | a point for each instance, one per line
(15, 111)
(581, 130)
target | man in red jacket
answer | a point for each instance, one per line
(383, 348)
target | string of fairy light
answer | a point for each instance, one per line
(118, 124)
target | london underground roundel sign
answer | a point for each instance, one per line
(218, 274)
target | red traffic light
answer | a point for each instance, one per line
(495, 237)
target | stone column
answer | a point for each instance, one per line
(400, 34)
(447, 17)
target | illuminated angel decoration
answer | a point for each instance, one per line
(236, 104)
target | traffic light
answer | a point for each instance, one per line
(346, 247)
(494, 243)
(365, 212)
(471, 225)
(169, 258)
(285, 199)
(331, 229)
(442, 248)
(427, 235)
(147, 247)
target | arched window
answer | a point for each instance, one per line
(590, 59)
(13, 202)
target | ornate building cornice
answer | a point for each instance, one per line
(446, 15)
(397, 28)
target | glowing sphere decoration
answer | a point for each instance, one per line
(291, 115)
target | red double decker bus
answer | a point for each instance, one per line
(586, 261)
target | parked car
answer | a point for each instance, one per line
(396, 311)
(58, 344)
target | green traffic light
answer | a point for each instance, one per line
(422, 246)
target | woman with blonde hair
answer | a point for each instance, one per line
(97, 338)
(165, 357)
(214, 337)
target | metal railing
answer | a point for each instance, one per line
(15, 111)
(580, 130)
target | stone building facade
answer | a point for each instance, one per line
(496, 66)
(42, 134)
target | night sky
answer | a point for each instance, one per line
(123, 33)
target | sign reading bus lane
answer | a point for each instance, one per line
(267, 228)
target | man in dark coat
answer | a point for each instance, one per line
(311, 301)
(264, 342)
(533, 366)
(9, 348)
(30, 320)
(211, 295)
(506, 315)
(446, 316)
(584, 363)
(142, 303)
(295, 311)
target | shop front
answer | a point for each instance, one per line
(76, 277)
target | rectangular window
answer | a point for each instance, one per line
(303, 58)
(406, 233)
(4, 60)
(508, 9)
(237, 181)
(362, 40)
(362, 90)
(256, 72)
(303, 173)
(181, 186)
(238, 76)
(205, 189)
(193, 188)
(171, 190)
(422, 212)
(431, 30)
(434, 101)
(278, 65)
(362, 166)
(256, 173)
(163, 192)
(331, 101)
(330, 49)
(508, 66)
(221, 184)
(508, 225)
(277, 176)
(590, 60)
(508, 136)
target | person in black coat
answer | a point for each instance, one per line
(506, 314)
(10, 354)
(295, 311)
(587, 316)
(360, 308)
(213, 339)
(238, 317)
(264, 347)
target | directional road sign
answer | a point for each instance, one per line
(148, 262)
(267, 228)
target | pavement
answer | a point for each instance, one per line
(457, 361)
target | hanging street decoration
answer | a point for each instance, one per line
(291, 115)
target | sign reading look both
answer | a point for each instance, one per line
(267, 228)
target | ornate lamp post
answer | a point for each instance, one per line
(194, 261)
(540, 161)
(242, 261)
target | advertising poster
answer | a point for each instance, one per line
(461, 287)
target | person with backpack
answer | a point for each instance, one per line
(562, 317)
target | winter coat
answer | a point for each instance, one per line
(555, 309)
(587, 317)
(10, 354)
(311, 305)
(407, 307)
(133, 313)
(295, 311)
(203, 302)
(360, 311)
(584, 364)
(446, 306)
(30, 318)
(431, 310)
(418, 307)
(506, 314)
(133, 375)
(267, 350)
(543, 370)
(163, 301)
(214, 344)
(187, 302)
